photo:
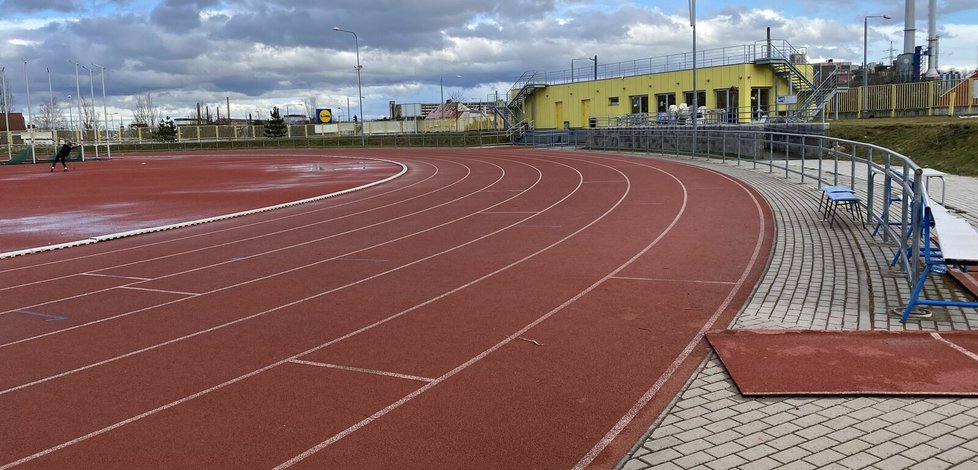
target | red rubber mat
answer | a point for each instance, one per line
(796, 362)
(969, 279)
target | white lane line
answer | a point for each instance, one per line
(239, 227)
(192, 294)
(142, 231)
(657, 279)
(361, 369)
(957, 348)
(515, 336)
(508, 212)
(227, 262)
(654, 389)
(303, 353)
(131, 278)
(274, 309)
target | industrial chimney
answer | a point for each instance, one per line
(932, 42)
(905, 61)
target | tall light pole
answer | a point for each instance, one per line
(71, 118)
(78, 98)
(363, 127)
(105, 115)
(862, 112)
(50, 104)
(696, 105)
(91, 84)
(441, 84)
(6, 111)
(30, 116)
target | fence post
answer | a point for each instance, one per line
(917, 218)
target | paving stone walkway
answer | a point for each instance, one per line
(820, 278)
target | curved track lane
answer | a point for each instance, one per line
(492, 308)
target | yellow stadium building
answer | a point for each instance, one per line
(761, 82)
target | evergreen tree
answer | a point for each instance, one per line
(166, 131)
(275, 126)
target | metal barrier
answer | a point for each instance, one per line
(891, 182)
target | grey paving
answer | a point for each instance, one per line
(821, 278)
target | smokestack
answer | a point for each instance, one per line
(932, 42)
(904, 65)
(909, 27)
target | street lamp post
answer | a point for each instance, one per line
(363, 127)
(91, 84)
(6, 111)
(78, 98)
(441, 85)
(30, 117)
(71, 118)
(696, 105)
(51, 104)
(105, 116)
(865, 89)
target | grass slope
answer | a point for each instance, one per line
(949, 144)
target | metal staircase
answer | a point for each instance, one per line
(513, 111)
(785, 60)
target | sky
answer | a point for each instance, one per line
(263, 53)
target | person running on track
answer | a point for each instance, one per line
(62, 154)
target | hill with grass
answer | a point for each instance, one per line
(949, 144)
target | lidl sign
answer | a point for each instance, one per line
(325, 115)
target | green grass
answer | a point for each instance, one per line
(949, 144)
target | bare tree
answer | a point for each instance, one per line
(90, 117)
(51, 117)
(145, 111)
(311, 106)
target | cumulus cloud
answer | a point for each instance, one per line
(261, 53)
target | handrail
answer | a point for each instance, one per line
(815, 158)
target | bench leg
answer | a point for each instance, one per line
(916, 294)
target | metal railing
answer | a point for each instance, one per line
(743, 54)
(887, 180)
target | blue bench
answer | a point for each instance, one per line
(833, 197)
(948, 240)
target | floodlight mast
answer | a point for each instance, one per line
(363, 126)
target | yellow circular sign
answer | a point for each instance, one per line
(325, 116)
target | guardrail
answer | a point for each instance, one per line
(891, 182)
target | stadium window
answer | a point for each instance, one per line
(640, 103)
(700, 98)
(613, 101)
(664, 101)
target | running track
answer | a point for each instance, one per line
(492, 308)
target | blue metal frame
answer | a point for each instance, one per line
(933, 262)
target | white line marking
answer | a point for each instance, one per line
(242, 283)
(131, 278)
(961, 350)
(192, 294)
(270, 366)
(360, 369)
(511, 338)
(435, 172)
(656, 279)
(142, 231)
(508, 212)
(650, 393)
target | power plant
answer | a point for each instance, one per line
(908, 63)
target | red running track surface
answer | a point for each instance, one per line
(492, 308)
(132, 192)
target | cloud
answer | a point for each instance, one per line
(259, 52)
